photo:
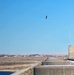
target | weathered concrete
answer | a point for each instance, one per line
(56, 63)
(54, 66)
(54, 70)
(27, 71)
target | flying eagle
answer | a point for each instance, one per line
(46, 17)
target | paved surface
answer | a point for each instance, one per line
(53, 60)
(55, 66)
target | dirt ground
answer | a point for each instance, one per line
(17, 63)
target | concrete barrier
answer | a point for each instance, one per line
(56, 63)
(27, 71)
(54, 70)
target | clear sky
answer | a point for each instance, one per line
(24, 29)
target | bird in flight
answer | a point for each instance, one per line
(46, 17)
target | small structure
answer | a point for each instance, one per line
(70, 52)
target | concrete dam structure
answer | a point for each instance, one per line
(53, 66)
(50, 66)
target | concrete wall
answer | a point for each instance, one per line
(56, 63)
(54, 70)
(27, 71)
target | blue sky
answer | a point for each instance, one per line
(24, 29)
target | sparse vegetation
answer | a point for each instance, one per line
(17, 63)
